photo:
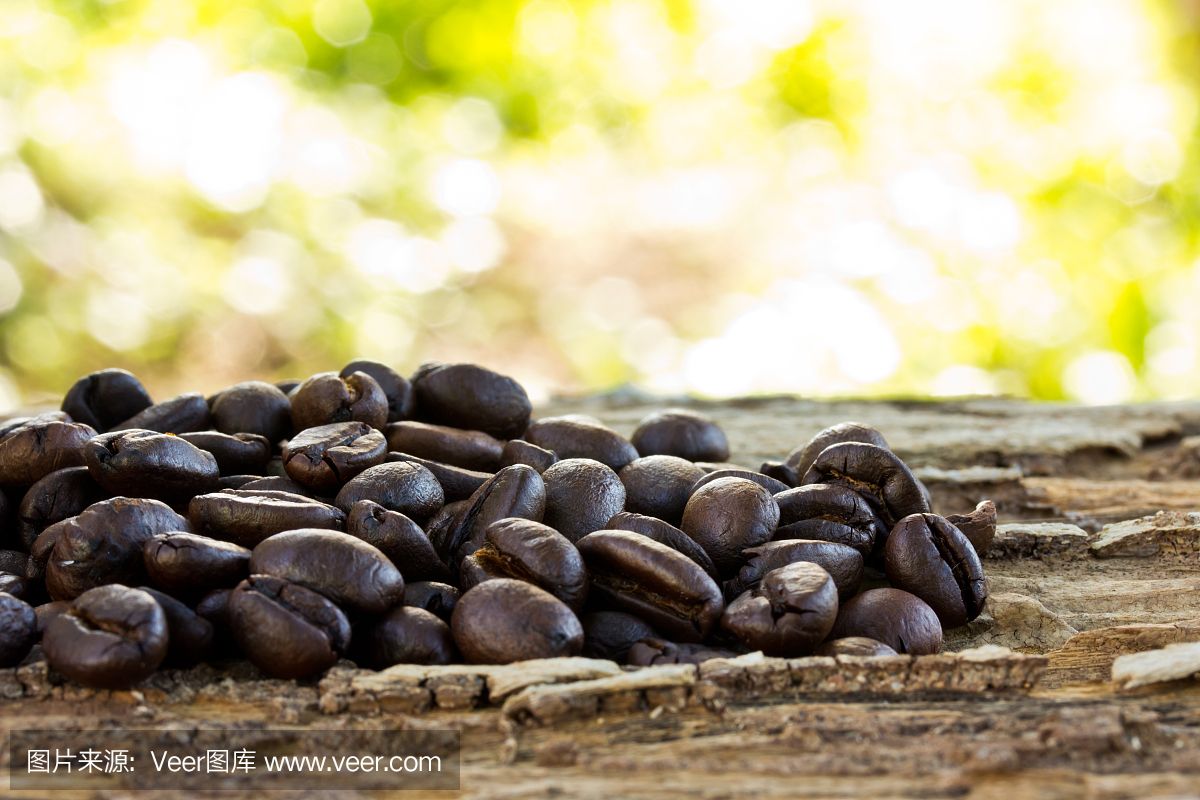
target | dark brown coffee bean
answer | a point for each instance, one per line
(326, 398)
(659, 486)
(858, 646)
(652, 652)
(438, 599)
(582, 495)
(632, 573)
(529, 551)
(503, 620)
(59, 495)
(19, 586)
(519, 451)
(664, 533)
(189, 565)
(247, 516)
(105, 398)
(877, 474)
(113, 637)
(347, 570)
(843, 563)
(398, 538)
(929, 557)
(253, 407)
(979, 526)
(830, 513)
(214, 607)
(187, 412)
(443, 525)
(474, 450)
(237, 453)
(48, 611)
(397, 486)
(32, 451)
(515, 491)
(579, 436)
(327, 456)
(766, 481)
(396, 387)
(469, 396)
(902, 621)
(276, 483)
(727, 516)
(682, 433)
(610, 634)
(788, 613)
(285, 629)
(457, 483)
(18, 629)
(777, 470)
(149, 464)
(404, 635)
(189, 635)
(802, 458)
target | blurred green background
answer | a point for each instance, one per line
(716, 198)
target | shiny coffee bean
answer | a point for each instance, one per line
(979, 526)
(148, 464)
(929, 557)
(404, 635)
(830, 513)
(659, 486)
(582, 495)
(327, 456)
(652, 652)
(610, 634)
(877, 474)
(18, 629)
(766, 481)
(189, 635)
(237, 453)
(579, 436)
(802, 458)
(438, 599)
(515, 491)
(12, 423)
(187, 412)
(727, 516)
(397, 486)
(105, 398)
(275, 483)
(679, 432)
(188, 564)
(59, 495)
(457, 483)
(529, 551)
(902, 621)
(247, 516)
(788, 613)
(285, 629)
(214, 607)
(113, 637)
(48, 611)
(664, 533)
(398, 538)
(778, 471)
(474, 450)
(347, 570)
(859, 646)
(327, 398)
(443, 526)
(396, 387)
(32, 451)
(519, 451)
(502, 621)
(632, 573)
(471, 397)
(253, 407)
(843, 563)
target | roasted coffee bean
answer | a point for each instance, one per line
(404, 635)
(652, 652)
(664, 533)
(32, 451)
(529, 551)
(515, 491)
(469, 396)
(113, 637)
(902, 621)
(187, 412)
(580, 436)
(397, 486)
(979, 526)
(102, 545)
(327, 456)
(188, 564)
(12, 423)
(788, 613)
(802, 458)
(236, 481)
(59, 495)
(682, 433)
(237, 453)
(148, 464)
(18, 629)
(830, 513)
(438, 599)
(727, 516)
(929, 557)
(286, 630)
(457, 483)
(396, 387)
(582, 495)
(277, 483)
(443, 525)
(474, 450)
(253, 407)
(288, 385)
(347, 570)
(859, 646)
(610, 634)
(877, 474)
(247, 516)
(519, 451)
(326, 398)
(189, 635)
(843, 563)
(659, 486)
(766, 481)
(632, 573)
(105, 398)
(18, 586)
(504, 620)
(398, 538)
(48, 611)
(214, 607)
(777, 470)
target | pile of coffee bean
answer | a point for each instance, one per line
(367, 516)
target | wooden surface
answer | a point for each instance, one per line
(1085, 569)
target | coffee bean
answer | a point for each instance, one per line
(253, 407)
(632, 573)
(902, 621)
(19, 586)
(189, 635)
(843, 563)
(105, 398)
(236, 454)
(519, 451)
(188, 564)
(610, 634)
(187, 412)
(438, 599)
(727, 516)
(113, 637)
(766, 481)
(979, 526)
(285, 629)
(778, 471)
(444, 525)
(802, 458)
(830, 513)
(929, 557)
(48, 611)
(515, 491)
(327, 456)
(472, 397)
(18, 630)
(529, 551)
(396, 387)
(788, 613)
(214, 607)
(474, 450)
(149, 464)
(877, 474)
(247, 516)
(682, 433)
(404, 635)
(457, 483)
(32, 451)
(57, 496)
(858, 646)
(397, 486)
(502, 621)
(398, 538)
(326, 398)
(275, 483)
(347, 570)
(659, 486)
(582, 495)
(664, 533)
(579, 436)
(653, 652)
